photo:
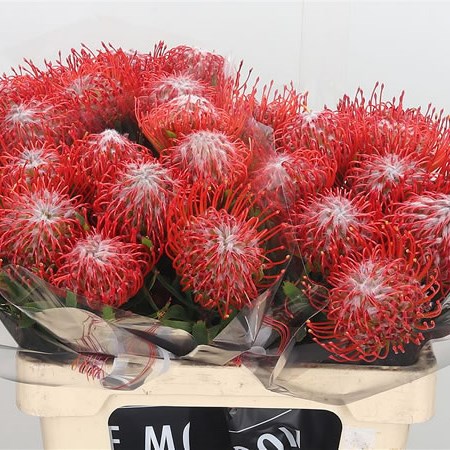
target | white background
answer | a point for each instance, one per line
(327, 48)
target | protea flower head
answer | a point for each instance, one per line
(102, 269)
(36, 222)
(38, 159)
(379, 300)
(135, 203)
(24, 122)
(95, 158)
(97, 154)
(276, 108)
(331, 224)
(388, 177)
(123, 71)
(375, 122)
(24, 85)
(220, 251)
(284, 177)
(209, 155)
(293, 131)
(202, 64)
(163, 124)
(427, 217)
(161, 88)
(320, 131)
(97, 90)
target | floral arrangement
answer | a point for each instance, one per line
(167, 185)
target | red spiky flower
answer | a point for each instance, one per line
(320, 131)
(221, 252)
(123, 73)
(24, 122)
(427, 217)
(27, 163)
(98, 90)
(102, 268)
(276, 108)
(388, 176)
(96, 157)
(163, 124)
(379, 300)
(202, 64)
(284, 177)
(36, 222)
(374, 122)
(161, 88)
(331, 224)
(209, 155)
(100, 151)
(135, 203)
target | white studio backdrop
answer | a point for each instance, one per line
(327, 48)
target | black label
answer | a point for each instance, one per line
(188, 428)
(169, 428)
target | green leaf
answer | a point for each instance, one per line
(292, 291)
(179, 324)
(108, 313)
(177, 312)
(82, 221)
(32, 307)
(176, 293)
(71, 299)
(298, 303)
(200, 332)
(147, 242)
(171, 134)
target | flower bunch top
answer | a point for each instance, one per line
(116, 166)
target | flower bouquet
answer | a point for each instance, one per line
(162, 206)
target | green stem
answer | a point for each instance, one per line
(175, 293)
(149, 299)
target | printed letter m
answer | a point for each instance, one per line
(166, 442)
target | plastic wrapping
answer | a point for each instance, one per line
(119, 347)
(123, 349)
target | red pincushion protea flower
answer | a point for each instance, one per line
(219, 249)
(209, 155)
(28, 163)
(24, 122)
(36, 222)
(135, 203)
(275, 109)
(380, 299)
(283, 177)
(202, 64)
(102, 269)
(98, 90)
(107, 148)
(377, 123)
(296, 129)
(98, 154)
(427, 216)
(388, 177)
(163, 88)
(23, 85)
(331, 224)
(319, 131)
(124, 71)
(180, 115)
